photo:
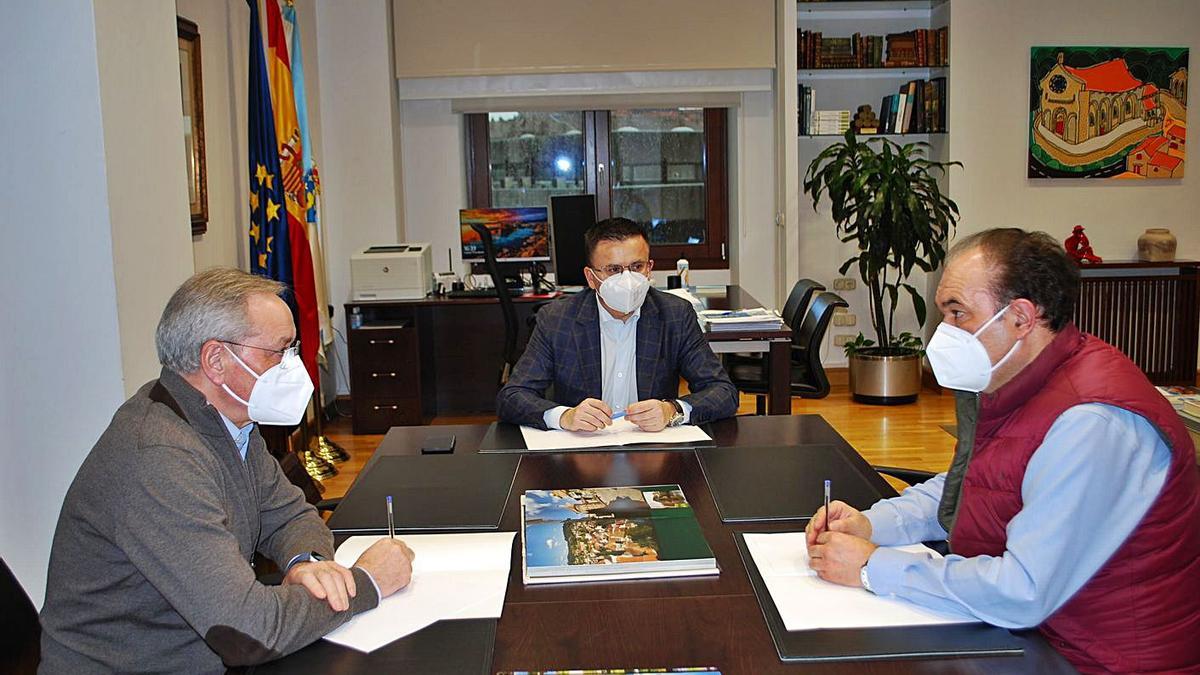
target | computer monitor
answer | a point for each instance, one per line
(570, 217)
(520, 234)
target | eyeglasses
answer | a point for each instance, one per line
(290, 350)
(637, 266)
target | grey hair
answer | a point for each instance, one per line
(211, 305)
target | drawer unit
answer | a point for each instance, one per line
(385, 383)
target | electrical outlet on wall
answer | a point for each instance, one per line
(841, 340)
(844, 284)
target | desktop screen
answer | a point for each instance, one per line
(518, 233)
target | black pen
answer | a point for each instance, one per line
(392, 523)
(826, 504)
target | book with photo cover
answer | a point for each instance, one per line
(605, 533)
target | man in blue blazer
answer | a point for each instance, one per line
(618, 347)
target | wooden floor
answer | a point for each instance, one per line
(909, 436)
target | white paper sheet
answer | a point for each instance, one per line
(622, 432)
(455, 576)
(807, 602)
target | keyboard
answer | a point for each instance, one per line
(472, 293)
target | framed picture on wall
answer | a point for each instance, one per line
(192, 88)
(1108, 112)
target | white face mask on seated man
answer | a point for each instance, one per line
(960, 361)
(281, 394)
(625, 292)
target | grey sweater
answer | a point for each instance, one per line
(150, 569)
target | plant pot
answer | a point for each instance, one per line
(885, 375)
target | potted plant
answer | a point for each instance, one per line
(885, 199)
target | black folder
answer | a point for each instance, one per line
(429, 492)
(856, 644)
(502, 437)
(782, 483)
(444, 648)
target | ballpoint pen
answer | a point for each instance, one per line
(619, 415)
(391, 524)
(826, 504)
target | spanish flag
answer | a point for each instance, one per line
(291, 165)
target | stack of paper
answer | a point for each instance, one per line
(807, 602)
(622, 432)
(757, 318)
(455, 576)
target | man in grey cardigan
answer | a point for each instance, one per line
(151, 566)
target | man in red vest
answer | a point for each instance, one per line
(1073, 500)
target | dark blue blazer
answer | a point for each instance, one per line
(564, 351)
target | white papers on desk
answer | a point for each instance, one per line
(622, 432)
(807, 602)
(455, 576)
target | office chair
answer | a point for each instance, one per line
(797, 301)
(21, 638)
(808, 378)
(507, 307)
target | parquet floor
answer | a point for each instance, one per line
(909, 436)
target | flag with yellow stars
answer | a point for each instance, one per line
(270, 253)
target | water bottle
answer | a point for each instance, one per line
(681, 268)
(356, 318)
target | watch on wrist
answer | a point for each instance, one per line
(677, 418)
(864, 579)
(313, 556)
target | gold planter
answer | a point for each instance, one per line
(885, 376)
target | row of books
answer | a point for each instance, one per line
(918, 107)
(919, 47)
(813, 122)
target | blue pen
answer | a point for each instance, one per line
(391, 523)
(827, 504)
(617, 416)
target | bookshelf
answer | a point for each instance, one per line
(852, 25)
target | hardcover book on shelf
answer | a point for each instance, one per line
(607, 533)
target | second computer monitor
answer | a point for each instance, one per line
(520, 234)
(570, 217)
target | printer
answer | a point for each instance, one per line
(395, 272)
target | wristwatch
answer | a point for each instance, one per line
(677, 418)
(864, 579)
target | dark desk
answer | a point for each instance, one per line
(677, 622)
(414, 359)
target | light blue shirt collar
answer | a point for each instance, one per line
(241, 435)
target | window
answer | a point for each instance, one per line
(664, 168)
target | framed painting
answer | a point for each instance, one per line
(1108, 112)
(192, 88)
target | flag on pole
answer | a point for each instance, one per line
(291, 167)
(270, 254)
(312, 183)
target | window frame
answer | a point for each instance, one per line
(712, 254)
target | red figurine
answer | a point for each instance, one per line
(1078, 248)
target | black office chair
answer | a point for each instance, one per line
(21, 638)
(797, 302)
(808, 378)
(506, 303)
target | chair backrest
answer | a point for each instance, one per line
(21, 638)
(806, 342)
(506, 304)
(798, 299)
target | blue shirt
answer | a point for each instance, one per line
(241, 435)
(618, 366)
(1095, 475)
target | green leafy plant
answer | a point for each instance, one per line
(884, 197)
(906, 341)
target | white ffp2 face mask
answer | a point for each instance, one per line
(959, 359)
(625, 292)
(280, 395)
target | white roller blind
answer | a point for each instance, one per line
(441, 38)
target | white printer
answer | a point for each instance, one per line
(396, 272)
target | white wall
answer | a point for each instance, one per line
(60, 380)
(224, 37)
(359, 116)
(989, 103)
(137, 52)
